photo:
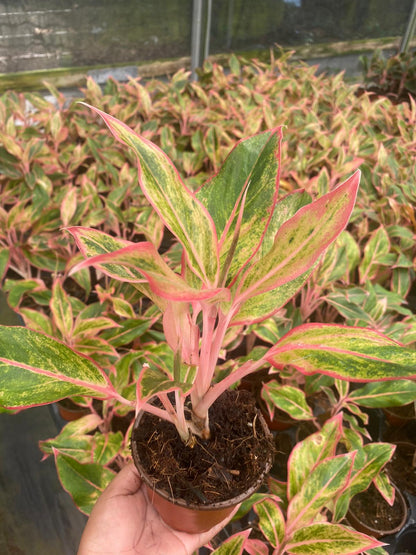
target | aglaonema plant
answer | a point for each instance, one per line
(245, 253)
(304, 515)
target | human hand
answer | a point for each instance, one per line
(124, 521)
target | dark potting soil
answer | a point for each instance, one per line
(374, 511)
(212, 470)
(402, 467)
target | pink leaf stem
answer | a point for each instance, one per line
(218, 389)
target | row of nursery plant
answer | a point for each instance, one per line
(59, 167)
(218, 293)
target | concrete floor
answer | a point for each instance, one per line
(37, 517)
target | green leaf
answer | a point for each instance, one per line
(328, 539)
(385, 487)
(153, 380)
(248, 184)
(310, 452)
(271, 521)
(4, 260)
(301, 240)
(288, 399)
(368, 462)
(285, 209)
(36, 369)
(36, 320)
(344, 352)
(233, 545)
(135, 263)
(178, 207)
(84, 482)
(86, 327)
(61, 309)
(258, 307)
(321, 486)
(74, 439)
(377, 247)
(376, 551)
(247, 505)
(384, 394)
(107, 446)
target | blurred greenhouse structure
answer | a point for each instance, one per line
(62, 39)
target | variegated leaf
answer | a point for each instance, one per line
(87, 327)
(271, 521)
(264, 305)
(153, 380)
(302, 239)
(329, 539)
(322, 485)
(392, 393)
(376, 249)
(178, 207)
(385, 487)
(74, 439)
(36, 369)
(247, 505)
(233, 545)
(357, 354)
(61, 309)
(244, 191)
(106, 446)
(256, 547)
(84, 482)
(135, 263)
(368, 462)
(310, 452)
(288, 399)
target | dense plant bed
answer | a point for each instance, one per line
(62, 169)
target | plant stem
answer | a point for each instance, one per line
(218, 389)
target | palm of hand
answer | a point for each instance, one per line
(124, 521)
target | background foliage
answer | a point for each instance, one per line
(60, 167)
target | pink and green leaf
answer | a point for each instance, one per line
(385, 487)
(284, 209)
(248, 182)
(106, 447)
(356, 354)
(36, 369)
(368, 462)
(247, 505)
(74, 439)
(87, 327)
(329, 539)
(85, 482)
(322, 485)
(374, 254)
(135, 263)
(61, 309)
(153, 381)
(310, 452)
(271, 521)
(384, 394)
(254, 546)
(233, 545)
(289, 399)
(301, 240)
(177, 206)
(264, 305)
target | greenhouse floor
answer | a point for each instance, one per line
(37, 517)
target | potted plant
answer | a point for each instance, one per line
(306, 513)
(244, 253)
